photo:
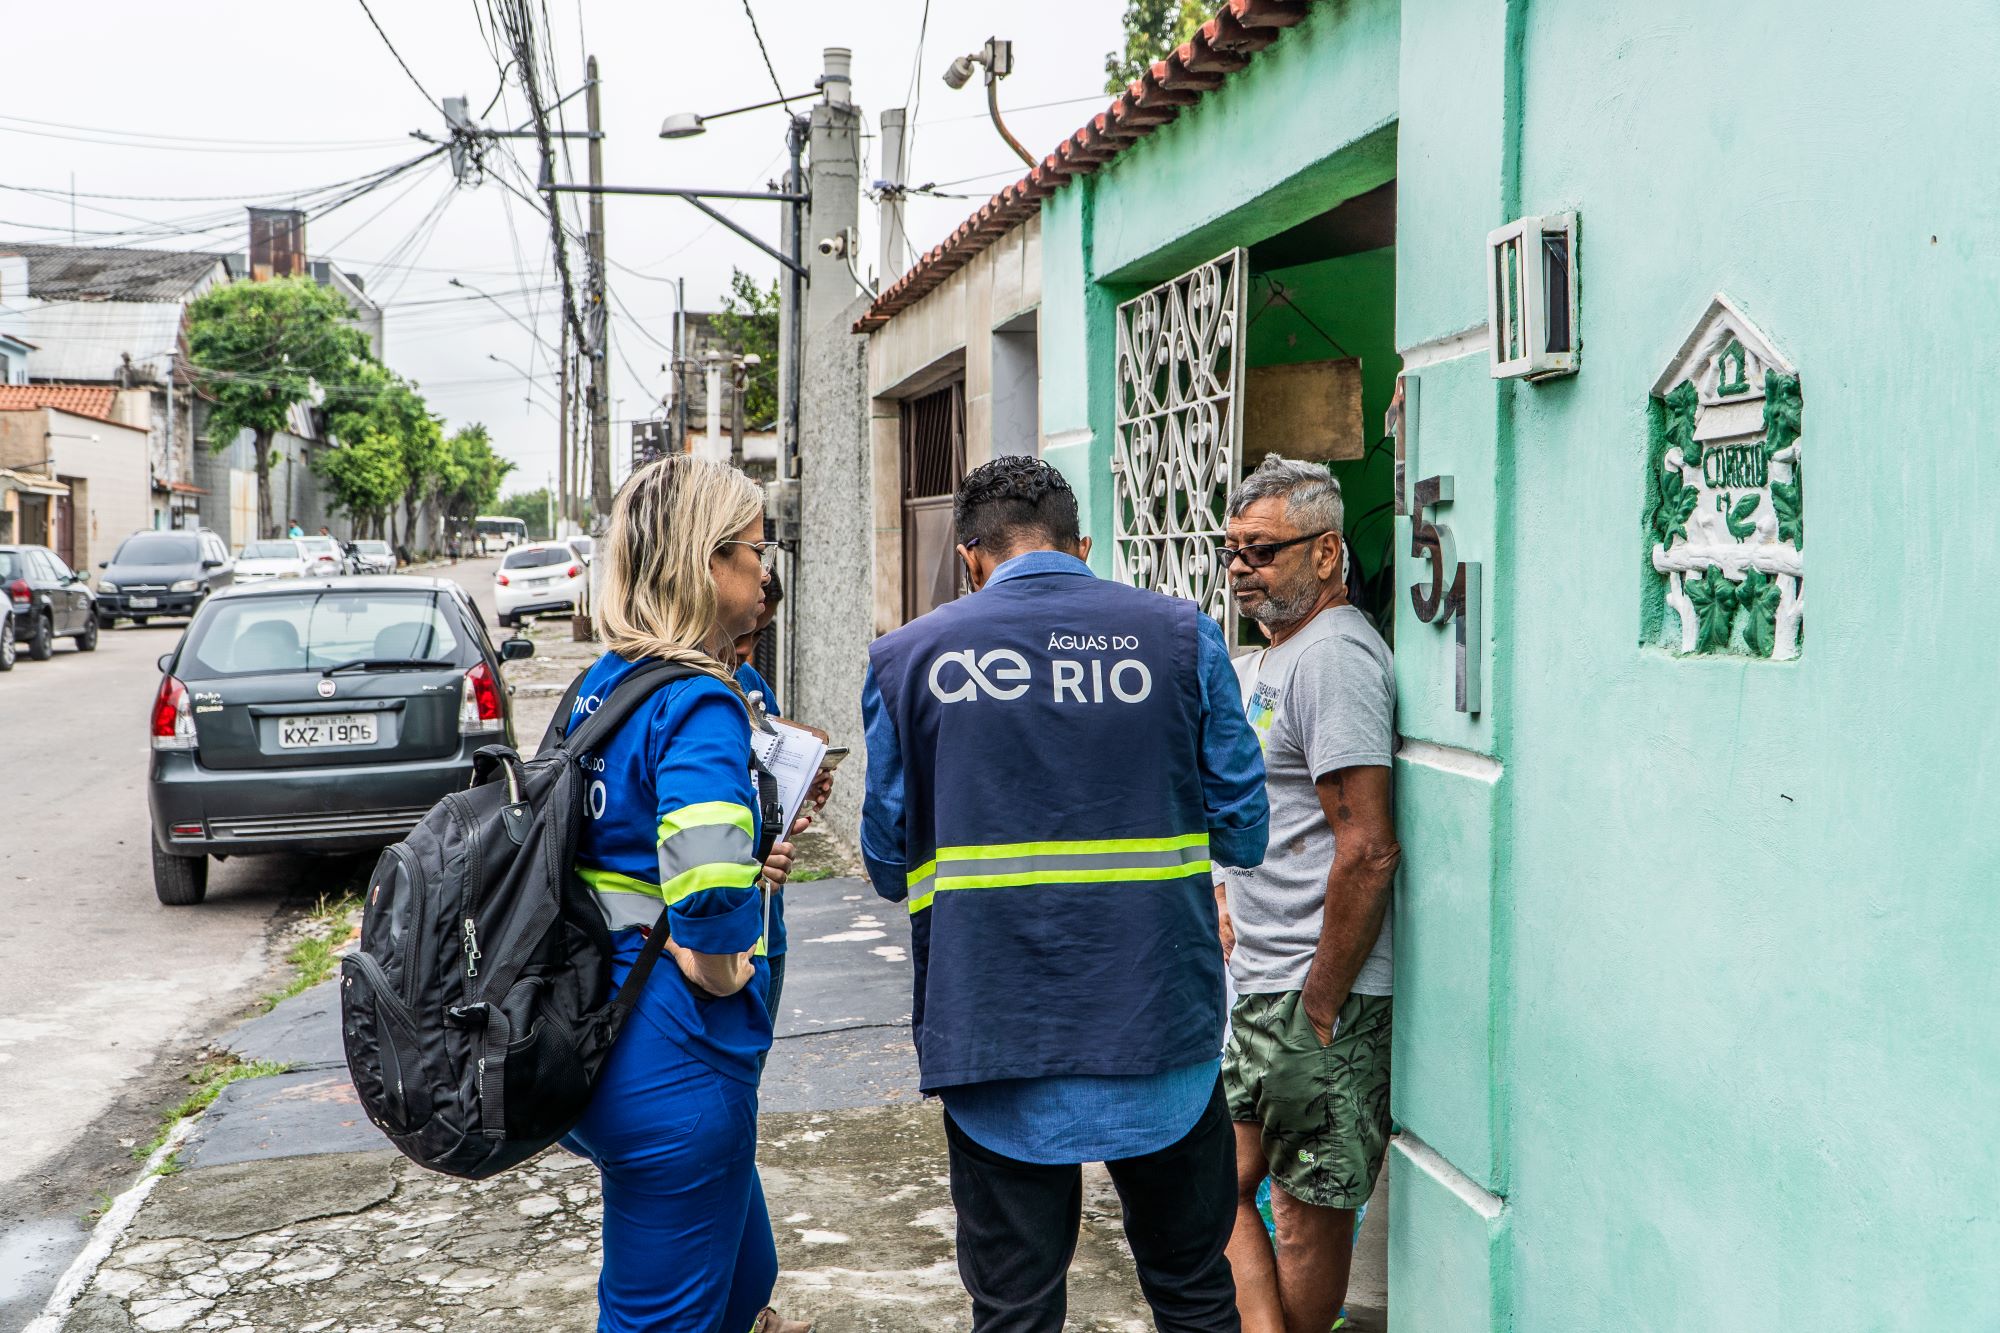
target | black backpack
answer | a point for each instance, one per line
(474, 1011)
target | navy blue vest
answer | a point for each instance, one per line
(1063, 918)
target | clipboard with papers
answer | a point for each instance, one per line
(792, 753)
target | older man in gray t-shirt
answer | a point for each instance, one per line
(1306, 1070)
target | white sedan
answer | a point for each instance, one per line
(282, 558)
(539, 578)
(323, 556)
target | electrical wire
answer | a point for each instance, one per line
(204, 138)
(163, 147)
(769, 68)
(419, 83)
(1095, 98)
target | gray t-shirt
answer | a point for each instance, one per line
(1322, 700)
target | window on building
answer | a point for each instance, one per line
(933, 463)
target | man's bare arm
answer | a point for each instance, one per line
(1359, 810)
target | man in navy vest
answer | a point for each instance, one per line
(1053, 764)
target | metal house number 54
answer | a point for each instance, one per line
(1452, 594)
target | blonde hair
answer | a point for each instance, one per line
(658, 595)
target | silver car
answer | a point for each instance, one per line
(374, 557)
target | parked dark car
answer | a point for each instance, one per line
(167, 573)
(47, 600)
(317, 715)
(9, 649)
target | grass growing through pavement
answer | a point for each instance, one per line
(315, 957)
(313, 960)
(808, 876)
(209, 1081)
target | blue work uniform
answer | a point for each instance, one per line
(672, 1126)
(1053, 763)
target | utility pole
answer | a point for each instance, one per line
(737, 373)
(600, 325)
(894, 243)
(562, 429)
(677, 419)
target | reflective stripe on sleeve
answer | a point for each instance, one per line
(704, 814)
(1024, 864)
(712, 844)
(628, 901)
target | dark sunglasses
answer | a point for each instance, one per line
(1259, 554)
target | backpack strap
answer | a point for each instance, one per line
(624, 699)
(559, 723)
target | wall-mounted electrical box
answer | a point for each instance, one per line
(1531, 297)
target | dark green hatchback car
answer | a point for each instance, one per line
(317, 715)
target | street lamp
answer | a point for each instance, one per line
(793, 195)
(687, 124)
(997, 57)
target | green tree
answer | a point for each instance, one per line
(377, 402)
(259, 349)
(365, 476)
(1153, 28)
(532, 508)
(468, 482)
(748, 322)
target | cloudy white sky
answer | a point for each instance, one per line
(169, 119)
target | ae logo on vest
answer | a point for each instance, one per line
(964, 675)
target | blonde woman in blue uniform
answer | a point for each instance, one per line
(673, 821)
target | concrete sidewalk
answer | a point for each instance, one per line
(289, 1214)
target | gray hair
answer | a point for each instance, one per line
(1310, 492)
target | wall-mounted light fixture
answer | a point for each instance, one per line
(1531, 297)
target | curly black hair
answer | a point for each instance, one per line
(1013, 501)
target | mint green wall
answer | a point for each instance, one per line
(1321, 116)
(1696, 958)
(1754, 1071)
(1353, 301)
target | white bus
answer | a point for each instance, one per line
(498, 532)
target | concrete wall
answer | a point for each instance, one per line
(1694, 954)
(833, 625)
(953, 331)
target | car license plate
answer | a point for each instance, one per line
(141, 603)
(326, 729)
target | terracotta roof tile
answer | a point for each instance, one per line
(1224, 45)
(84, 400)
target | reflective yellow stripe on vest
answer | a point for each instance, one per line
(1015, 865)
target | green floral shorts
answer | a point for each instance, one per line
(1321, 1111)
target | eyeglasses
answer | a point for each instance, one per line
(1259, 554)
(767, 552)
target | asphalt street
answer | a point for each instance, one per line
(105, 996)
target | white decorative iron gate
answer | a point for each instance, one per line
(1179, 432)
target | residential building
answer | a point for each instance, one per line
(1695, 915)
(109, 317)
(97, 464)
(14, 354)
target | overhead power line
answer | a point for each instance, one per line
(763, 50)
(226, 140)
(435, 106)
